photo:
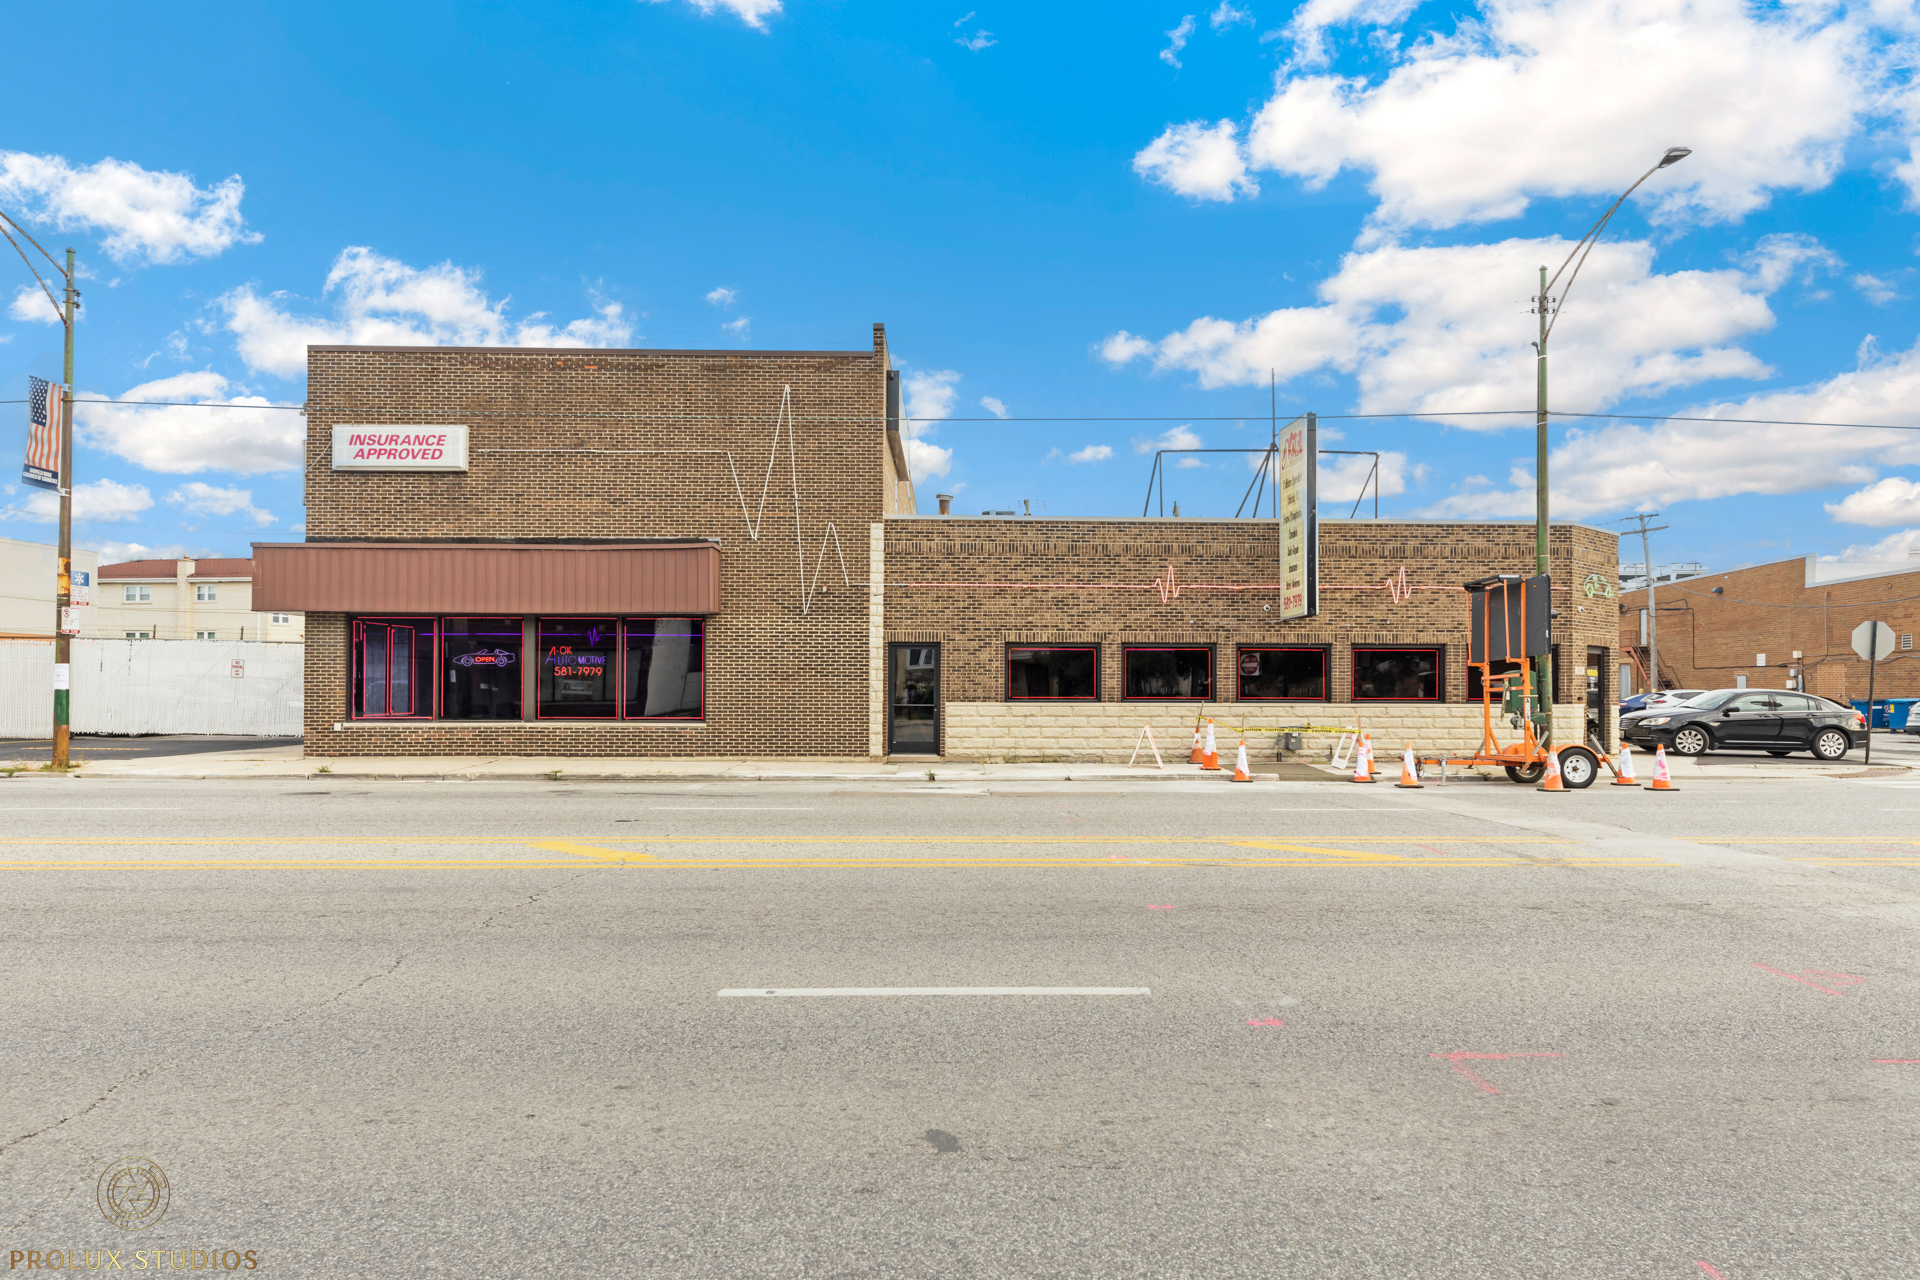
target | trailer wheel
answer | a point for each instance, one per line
(1531, 774)
(1578, 768)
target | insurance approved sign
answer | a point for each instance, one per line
(399, 448)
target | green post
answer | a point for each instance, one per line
(63, 584)
(1543, 669)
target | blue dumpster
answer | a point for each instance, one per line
(1882, 708)
(1898, 711)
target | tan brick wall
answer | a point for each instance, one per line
(1108, 731)
(564, 447)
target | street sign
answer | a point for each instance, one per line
(239, 668)
(1883, 641)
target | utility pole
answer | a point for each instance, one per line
(63, 585)
(1653, 614)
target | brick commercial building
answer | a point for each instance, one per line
(693, 553)
(1786, 625)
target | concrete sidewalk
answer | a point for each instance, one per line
(287, 763)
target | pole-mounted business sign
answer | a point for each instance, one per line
(399, 448)
(1299, 518)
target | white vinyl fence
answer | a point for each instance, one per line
(240, 687)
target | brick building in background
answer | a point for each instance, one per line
(1786, 625)
(694, 553)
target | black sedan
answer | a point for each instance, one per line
(1776, 721)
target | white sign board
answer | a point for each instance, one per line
(399, 448)
(1882, 641)
(1299, 519)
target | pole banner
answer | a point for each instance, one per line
(42, 469)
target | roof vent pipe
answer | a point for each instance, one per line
(946, 502)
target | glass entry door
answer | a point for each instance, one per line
(913, 699)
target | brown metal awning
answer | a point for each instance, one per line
(492, 578)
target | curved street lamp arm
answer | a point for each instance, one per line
(1585, 246)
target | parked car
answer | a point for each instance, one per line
(1776, 721)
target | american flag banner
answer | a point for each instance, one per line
(43, 434)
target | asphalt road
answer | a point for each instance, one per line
(458, 1029)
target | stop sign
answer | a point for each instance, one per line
(1881, 639)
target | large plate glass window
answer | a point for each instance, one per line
(1396, 675)
(482, 659)
(393, 668)
(1281, 675)
(1060, 673)
(666, 666)
(578, 671)
(1166, 674)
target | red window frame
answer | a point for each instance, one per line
(1213, 671)
(620, 690)
(613, 661)
(355, 661)
(1093, 649)
(1439, 670)
(1326, 671)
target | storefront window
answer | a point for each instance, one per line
(1058, 673)
(1400, 675)
(393, 668)
(481, 657)
(577, 668)
(1167, 673)
(1283, 675)
(665, 668)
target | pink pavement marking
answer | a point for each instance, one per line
(1709, 1268)
(1839, 979)
(1454, 1059)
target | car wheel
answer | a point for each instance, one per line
(1532, 773)
(1690, 740)
(1578, 768)
(1831, 744)
(1779, 753)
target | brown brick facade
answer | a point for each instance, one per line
(1714, 629)
(625, 446)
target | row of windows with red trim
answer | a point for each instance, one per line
(1149, 673)
(439, 668)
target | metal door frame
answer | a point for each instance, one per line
(938, 728)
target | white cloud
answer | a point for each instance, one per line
(1894, 500)
(930, 396)
(1092, 453)
(1552, 98)
(961, 22)
(977, 41)
(752, 12)
(993, 406)
(146, 215)
(1437, 328)
(723, 296)
(1345, 478)
(1895, 548)
(1176, 41)
(30, 303)
(1875, 290)
(121, 552)
(1227, 15)
(97, 501)
(738, 328)
(182, 440)
(197, 498)
(383, 301)
(1198, 160)
(1181, 437)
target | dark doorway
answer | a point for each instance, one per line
(913, 698)
(1598, 703)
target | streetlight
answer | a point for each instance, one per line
(1547, 307)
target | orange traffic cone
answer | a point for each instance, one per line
(1194, 757)
(1210, 758)
(1623, 772)
(1552, 781)
(1240, 773)
(1363, 761)
(1661, 780)
(1409, 774)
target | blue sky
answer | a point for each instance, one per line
(1128, 210)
